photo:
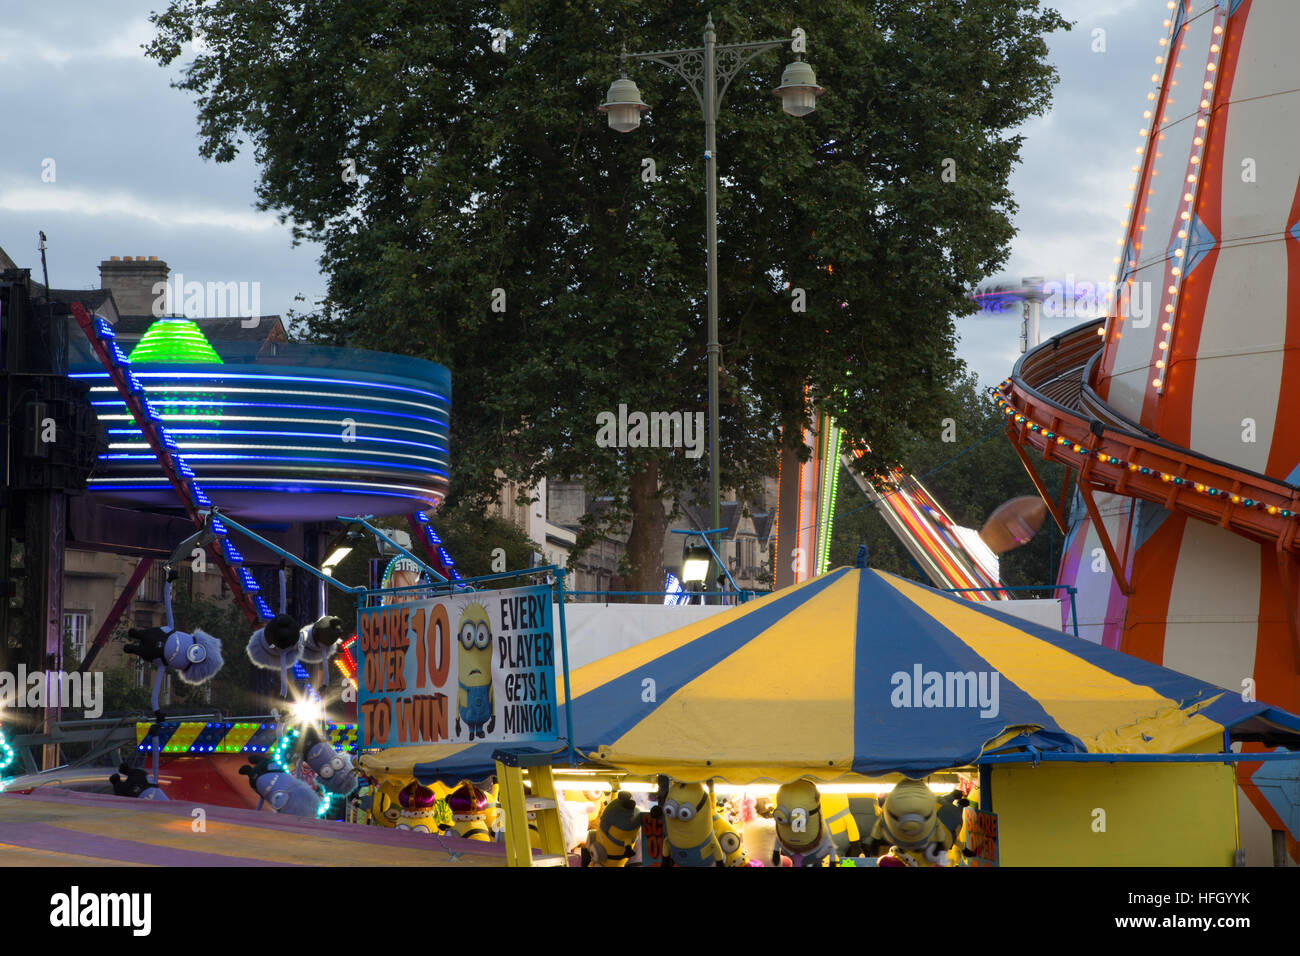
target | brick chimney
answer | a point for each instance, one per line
(131, 280)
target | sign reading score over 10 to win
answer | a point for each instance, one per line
(457, 669)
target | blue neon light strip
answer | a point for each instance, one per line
(216, 375)
(218, 400)
(250, 433)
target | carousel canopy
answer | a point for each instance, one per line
(861, 672)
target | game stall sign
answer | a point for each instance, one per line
(981, 836)
(476, 666)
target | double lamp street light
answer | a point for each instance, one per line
(702, 68)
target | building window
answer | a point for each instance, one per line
(76, 624)
(151, 588)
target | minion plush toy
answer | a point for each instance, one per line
(475, 700)
(733, 847)
(469, 811)
(908, 821)
(689, 838)
(801, 833)
(283, 791)
(418, 811)
(614, 840)
(334, 770)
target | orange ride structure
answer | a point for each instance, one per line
(1178, 412)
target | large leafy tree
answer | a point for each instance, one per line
(483, 169)
(971, 468)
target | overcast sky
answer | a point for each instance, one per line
(128, 179)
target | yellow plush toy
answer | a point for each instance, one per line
(689, 838)
(614, 840)
(801, 832)
(908, 819)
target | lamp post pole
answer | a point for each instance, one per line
(711, 240)
(700, 68)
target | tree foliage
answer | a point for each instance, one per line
(969, 476)
(482, 170)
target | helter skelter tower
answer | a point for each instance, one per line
(1181, 411)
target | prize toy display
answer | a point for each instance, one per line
(689, 838)
(469, 813)
(613, 841)
(802, 835)
(908, 826)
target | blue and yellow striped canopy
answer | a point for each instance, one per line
(821, 680)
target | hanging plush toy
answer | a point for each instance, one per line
(274, 645)
(614, 840)
(419, 809)
(134, 782)
(908, 820)
(333, 769)
(318, 641)
(195, 657)
(283, 791)
(469, 809)
(728, 837)
(801, 832)
(689, 838)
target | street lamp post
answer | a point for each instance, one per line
(701, 70)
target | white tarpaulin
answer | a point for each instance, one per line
(598, 630)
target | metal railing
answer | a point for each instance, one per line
(1069, 589)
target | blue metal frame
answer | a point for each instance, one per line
(213, 514)
(743, 595)
(424, 565)
(1074, 615)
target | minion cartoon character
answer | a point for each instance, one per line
(908, 820)
(385, 806)
(689, 838)
(733, 847)
(283, 792)
(418, 811)
(801, 832)
(469, 813)
(613, 842)
(475, 700)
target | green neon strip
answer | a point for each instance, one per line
(830, 482)
(174, 340)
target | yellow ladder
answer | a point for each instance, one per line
(516, 806)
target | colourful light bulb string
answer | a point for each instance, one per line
(1010, 411)
(7, 756)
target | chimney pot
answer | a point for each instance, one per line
(114, 258)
